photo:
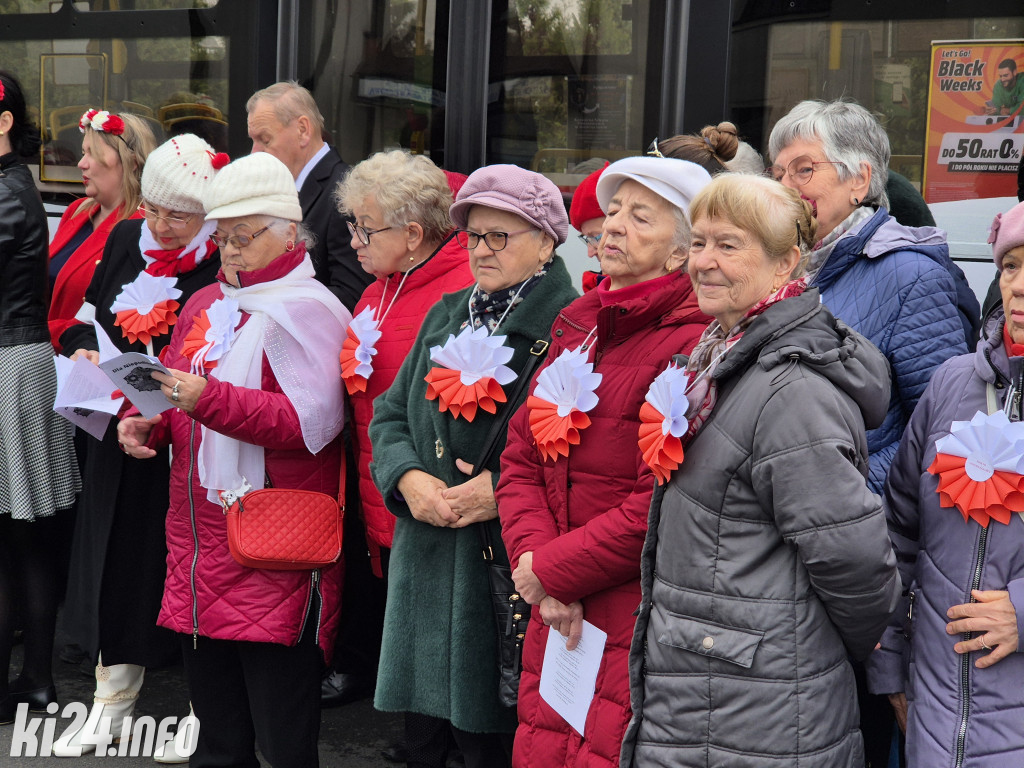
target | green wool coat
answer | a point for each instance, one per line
(439, 653)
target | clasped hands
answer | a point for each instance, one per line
(432, 501)
(567, 620)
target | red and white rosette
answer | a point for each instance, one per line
(472, 373)
(565, 391)
(101, 120)
(145, 307)
(663, 422)
(357, 351)
(211, 335)
(980, 465)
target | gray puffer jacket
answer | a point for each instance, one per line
(767, 560)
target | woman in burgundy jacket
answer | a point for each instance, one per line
(573, 502)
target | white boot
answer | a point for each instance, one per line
(180, 748)
(117, 690)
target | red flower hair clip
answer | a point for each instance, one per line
(101, 121)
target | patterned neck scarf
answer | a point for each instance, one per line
(492, 308)
(824, 247)
(713, 345)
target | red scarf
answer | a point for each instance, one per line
(171, 263)
(1013, 349)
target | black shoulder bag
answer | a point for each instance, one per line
(511, 612)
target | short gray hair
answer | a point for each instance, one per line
(849, 135)
(407, 188)
(289, 100)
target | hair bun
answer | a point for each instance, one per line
(722, 140)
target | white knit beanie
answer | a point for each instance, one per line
(255, 184)
(178, 173)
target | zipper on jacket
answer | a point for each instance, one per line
(965, 659)
(314, 593)
(195, 533)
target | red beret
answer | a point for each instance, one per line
(584, 200)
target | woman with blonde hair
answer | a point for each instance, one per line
(114, 151)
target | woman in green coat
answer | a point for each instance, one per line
(439, 660)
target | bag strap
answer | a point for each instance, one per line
(990, 398)
(500, 426)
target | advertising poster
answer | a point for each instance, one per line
(975, 132)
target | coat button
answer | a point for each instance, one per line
(438, 448)
(558, 332)
(708, 643)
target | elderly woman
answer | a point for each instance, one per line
(767, 561)
(151, 266)
(439, 660)
(954, 653)
(38, 474)
(403, 236)
(895, 285)
(114, 151)
(586, 216)
(573, 521)
(254, 378)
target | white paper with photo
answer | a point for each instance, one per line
(130, 373)
(83, 395)
(568, 678)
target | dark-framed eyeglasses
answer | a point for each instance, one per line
(174, 222)
(363, 233)
(237, 241)
(590, 240)
(653, 150)
(800, 170)
(496, 241)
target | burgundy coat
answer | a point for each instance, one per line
(585, 517)
(231, 601)
(446, 272)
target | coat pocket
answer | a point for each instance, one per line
(732, 644)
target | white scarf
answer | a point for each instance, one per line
(300, 326)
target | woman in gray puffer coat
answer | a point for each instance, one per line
(766, 562)
(953, 652)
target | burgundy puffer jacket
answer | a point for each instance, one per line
(446, 272)
(206, 591)
(585, 517)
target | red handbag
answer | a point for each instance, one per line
(287, 530)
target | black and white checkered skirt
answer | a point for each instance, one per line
(38, 471)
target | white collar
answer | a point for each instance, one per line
(301, 179)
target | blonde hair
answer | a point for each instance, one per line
(774, 214)
(289, 101)
(406, 187)
(132, 148)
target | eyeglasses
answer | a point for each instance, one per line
(653, 150)
(496, 241)
(237, 241)
(800, 170)
(363, 233)
(590, 240)
(172, 221)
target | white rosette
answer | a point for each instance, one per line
(667, 394)
(365, 330)
(569, 383)
(988, 442)
(224, 316)
(475, 355)
(100, 119)
(144, 293)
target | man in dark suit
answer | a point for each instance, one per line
(286, 122)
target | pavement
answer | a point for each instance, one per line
(351, 736)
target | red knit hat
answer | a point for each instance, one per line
(584, 200)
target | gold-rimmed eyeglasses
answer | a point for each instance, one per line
(237, 241)
(800, 170)
(174, 222)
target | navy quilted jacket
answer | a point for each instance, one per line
(895, 285)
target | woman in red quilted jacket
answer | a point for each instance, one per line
(575, 489)
(254, 378)
(403, 236)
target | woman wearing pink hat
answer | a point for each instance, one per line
(439, 659)
(951, 658)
